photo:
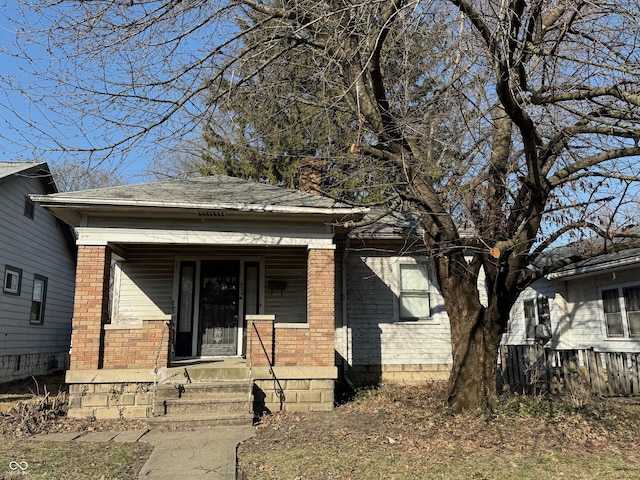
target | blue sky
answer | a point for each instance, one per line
(33, 128)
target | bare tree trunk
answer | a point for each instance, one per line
(475, 336)
(472, 383)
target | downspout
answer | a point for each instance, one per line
(345, 315)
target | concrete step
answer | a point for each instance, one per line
(201, 420)
(205, 373)
(203, 389)
(228, 404)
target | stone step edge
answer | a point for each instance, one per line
(202, 419)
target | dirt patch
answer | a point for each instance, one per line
(38, 405)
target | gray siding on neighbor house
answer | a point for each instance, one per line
(374, 333)
(516, 333)
(38, 247)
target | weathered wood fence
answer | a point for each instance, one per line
(532, 368)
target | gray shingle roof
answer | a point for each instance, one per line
(598, 262)
(11, 168)
(215, 192)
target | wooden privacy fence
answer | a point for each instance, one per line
(533, 368)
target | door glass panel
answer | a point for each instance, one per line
(184, 334)
(219, 281)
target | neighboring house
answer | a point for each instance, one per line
(37, 265)
(593, 304)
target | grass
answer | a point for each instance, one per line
(71, 460)
(402, 432)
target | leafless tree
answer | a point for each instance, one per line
(507, 124)
(71, 176)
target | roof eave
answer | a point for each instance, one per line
(581, 271)
(71, 211)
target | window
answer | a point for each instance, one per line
(414, 292)
(536, 312)
(29, 208)
(38, 299)
(12, 280)
(622, 318)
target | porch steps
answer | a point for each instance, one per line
(207, 402)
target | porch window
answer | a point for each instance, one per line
(537, 312)
(38, 300)
(622, 318)
(414, 292)
(12, 280)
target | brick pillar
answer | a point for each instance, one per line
(321, 305)
(90, 306)
(255, 353)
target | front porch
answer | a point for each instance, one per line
(122, 365)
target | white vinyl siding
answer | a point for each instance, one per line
(538, 305)
(144, 286)
(580, 320)
(375, 333)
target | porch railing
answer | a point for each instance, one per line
(277, 387)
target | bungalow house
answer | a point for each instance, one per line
(37, 265)
(172, 277)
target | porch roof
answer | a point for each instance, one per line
(214, 193)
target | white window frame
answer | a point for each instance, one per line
(9, 287)
(39, 295)
(415, 293)
(530, 334)
(622, 305)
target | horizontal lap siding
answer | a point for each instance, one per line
(584, 305)
(146, 284)
(516, 333)
(39, 247)
(375, 335)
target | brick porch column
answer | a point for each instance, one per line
(90, 306)
(321, 305)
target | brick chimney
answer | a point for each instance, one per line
(310, 176)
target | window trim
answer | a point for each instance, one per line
(622, 305)
(43, 300)
(422, 293)
(530, 330)
(8, 269)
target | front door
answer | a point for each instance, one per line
(218, 309)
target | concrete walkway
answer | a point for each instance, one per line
(207, 453)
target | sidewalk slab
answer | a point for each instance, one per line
(130, 436)
(198, 454)
(59, 437)
(103, 437)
